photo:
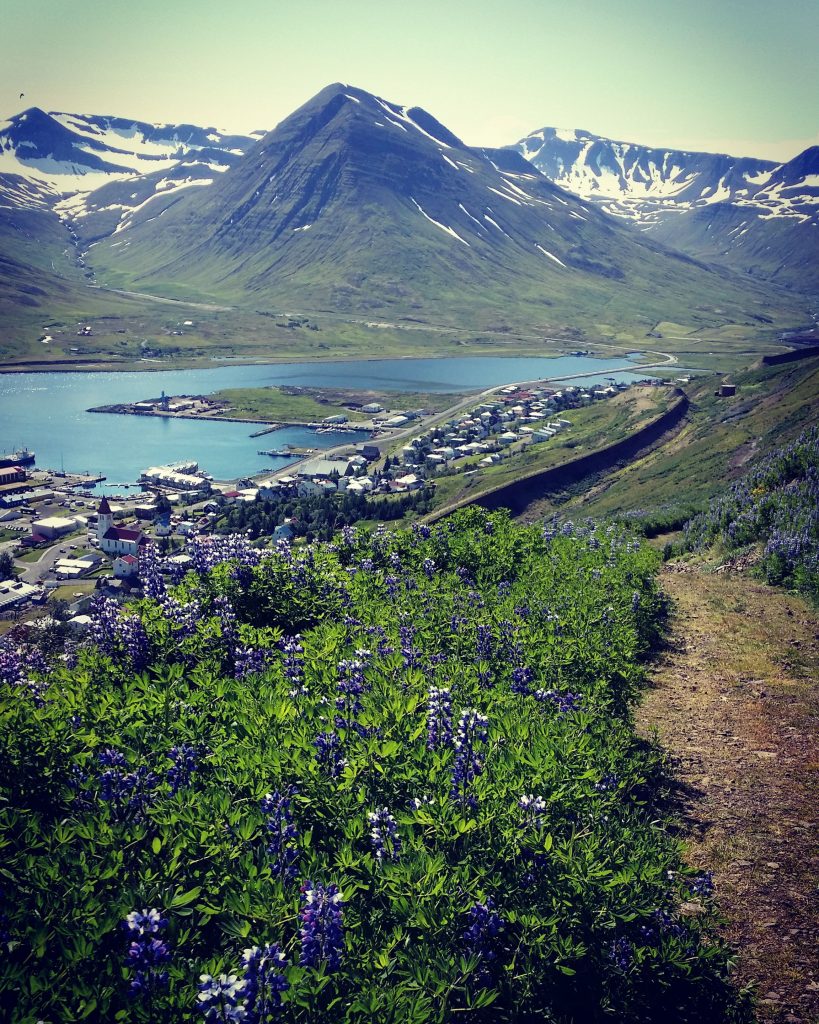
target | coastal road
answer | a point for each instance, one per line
(468, 402)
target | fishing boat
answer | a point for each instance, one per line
(22, 457)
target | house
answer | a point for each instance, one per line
(125, 565)
(117, 540)
(284, 531)
(372, 407)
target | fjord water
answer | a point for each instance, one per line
(48, 412)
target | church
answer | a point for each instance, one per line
(117, 540)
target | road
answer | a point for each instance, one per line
(469, 402)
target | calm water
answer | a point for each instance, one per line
(48, 411)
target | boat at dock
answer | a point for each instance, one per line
(279, 453)
(22, 457)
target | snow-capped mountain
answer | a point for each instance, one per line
(754, 214)
(48, 157)
(357, 203)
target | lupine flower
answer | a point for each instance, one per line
(219, 998)
(293, 664)
(250, 661)
(621, 953)
(521, 678)
(702, 885)
(328, 753)
(351, 686)
(481, 938)
(384, 836)
(439, 718)
(429, 568)
(471, 733)
(127, 794)
(533, 807)
(185, 762)
(410, 653)
(608, 782)
(322, 926)
(282, 832)
(147, 951)
(263, 982)
(565, 703)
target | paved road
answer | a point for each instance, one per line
(36, 572)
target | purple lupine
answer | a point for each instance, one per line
(322, 926)
(134, 639)
(264, 982)
(351, 685)
(608, 782)
(226, 614)
(104, 621)
(481, 938)
(471, 732)
(534, 808)
(484, 643)
(185, 760)
(521, 679)
(410, 653)
(250, 661)
(328, 753)
(293, 664)
(621, 953)
(148, 952)
(439, 718)
(702, 885)
(384, 837)
(184, 617)
(126, 794)
(282, 832)
(219, 998)
(150, 573)
(429, 568)
(565, 703)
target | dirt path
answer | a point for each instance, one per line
(735, 701)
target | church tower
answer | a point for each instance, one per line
(105, 519)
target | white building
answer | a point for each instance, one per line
(117, 540)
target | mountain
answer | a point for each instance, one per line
(53, 160)
(753, 215)
(357, 204)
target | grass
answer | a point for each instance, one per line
(721, 438)
(594, 426)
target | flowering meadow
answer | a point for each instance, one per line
(775, 506)
(393, 779)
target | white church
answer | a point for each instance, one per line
(117, 540)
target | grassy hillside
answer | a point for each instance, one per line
(720, 441)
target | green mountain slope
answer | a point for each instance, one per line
(356, 205)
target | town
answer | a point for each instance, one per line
(61, 544)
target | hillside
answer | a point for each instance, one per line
(756, 216)
(360, 205)
(720, 440)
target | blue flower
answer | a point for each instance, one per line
(322, 926)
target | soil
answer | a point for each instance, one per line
(735, 702)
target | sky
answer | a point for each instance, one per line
(713, 75)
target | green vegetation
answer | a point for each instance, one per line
(593, 426)
(319, 516)
(283, 404)
(719, 442)
(400, 768)
(775, 505)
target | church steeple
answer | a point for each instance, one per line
(105, 518)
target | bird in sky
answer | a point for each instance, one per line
(22, 94)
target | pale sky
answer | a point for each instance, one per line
(736, 76)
